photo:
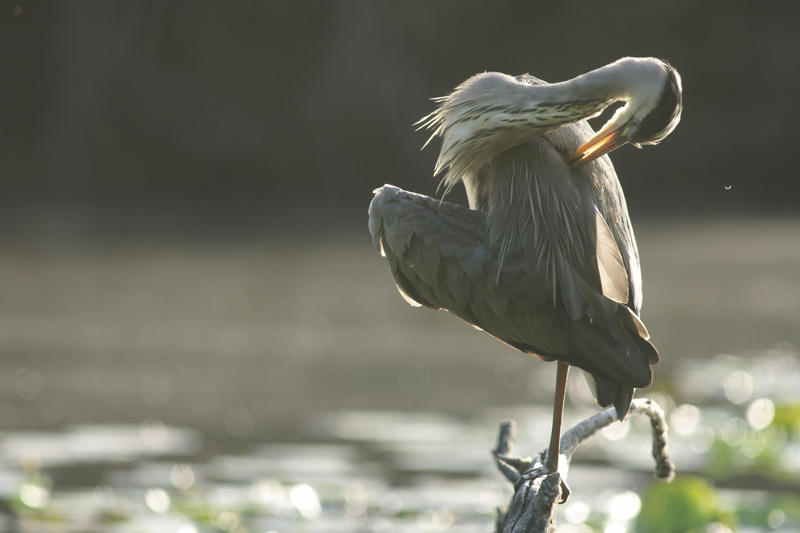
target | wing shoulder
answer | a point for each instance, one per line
(434, 248)
(440, 256)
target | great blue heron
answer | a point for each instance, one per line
(545, 259)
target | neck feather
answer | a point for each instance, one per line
(492, 112)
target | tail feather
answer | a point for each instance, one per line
(610, 392)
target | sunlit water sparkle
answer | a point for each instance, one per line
(375, 470)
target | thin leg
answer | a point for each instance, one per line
(551, 464)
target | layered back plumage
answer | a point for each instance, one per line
(519, 175)
(545, 260)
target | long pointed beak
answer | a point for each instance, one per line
(597, 146)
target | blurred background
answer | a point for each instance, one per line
(196, 334)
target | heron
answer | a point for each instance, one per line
(544, 259)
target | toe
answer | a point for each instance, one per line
(565, 492)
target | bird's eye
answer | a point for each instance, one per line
(635, 123)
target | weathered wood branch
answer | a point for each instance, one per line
(532, 508)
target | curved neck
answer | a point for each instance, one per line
(624, 79)
(492, 112)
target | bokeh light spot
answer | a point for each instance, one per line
(760, 413)
(685, 418)
(702, 439)
(577, 512)
(306, 501)
(738, 387)
(776, 436)
(391, 503)
(623, 506)
(442, 519)
(157, 500)
(34, 496)
(154, 434)
(228, 520)
(734, 431)
(754, 443)
(356, 499)
(776, 518)
(104, 496)
(615, 527)
(182, 476)
(267, 494)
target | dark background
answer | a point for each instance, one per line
(183, 219)
(287, 114)
(184, 191)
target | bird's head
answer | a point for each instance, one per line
(652, 111)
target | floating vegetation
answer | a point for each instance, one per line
(736, 444)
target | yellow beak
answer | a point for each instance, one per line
(597, 146)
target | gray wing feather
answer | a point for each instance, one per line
(473, 261)
(572, 292)
(599, 304)
(628, 365)
(441, 257)
(613, 276)
(495, 298)
(455, 279)
(449, 264)
(423, 260)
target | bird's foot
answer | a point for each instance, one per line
(543, 470)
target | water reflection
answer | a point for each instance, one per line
(702, 439)
(306, 501)
(157, 500)
(760, 413)
(397, 471)
(182, 477)
(684, 418)
(33, 495)
(738, 387)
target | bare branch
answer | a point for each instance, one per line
(665, 468)
(508, 466)
(532, 508)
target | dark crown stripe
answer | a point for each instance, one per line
(656, 125)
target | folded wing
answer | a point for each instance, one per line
(440, 257)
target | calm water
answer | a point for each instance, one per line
(160, 384)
